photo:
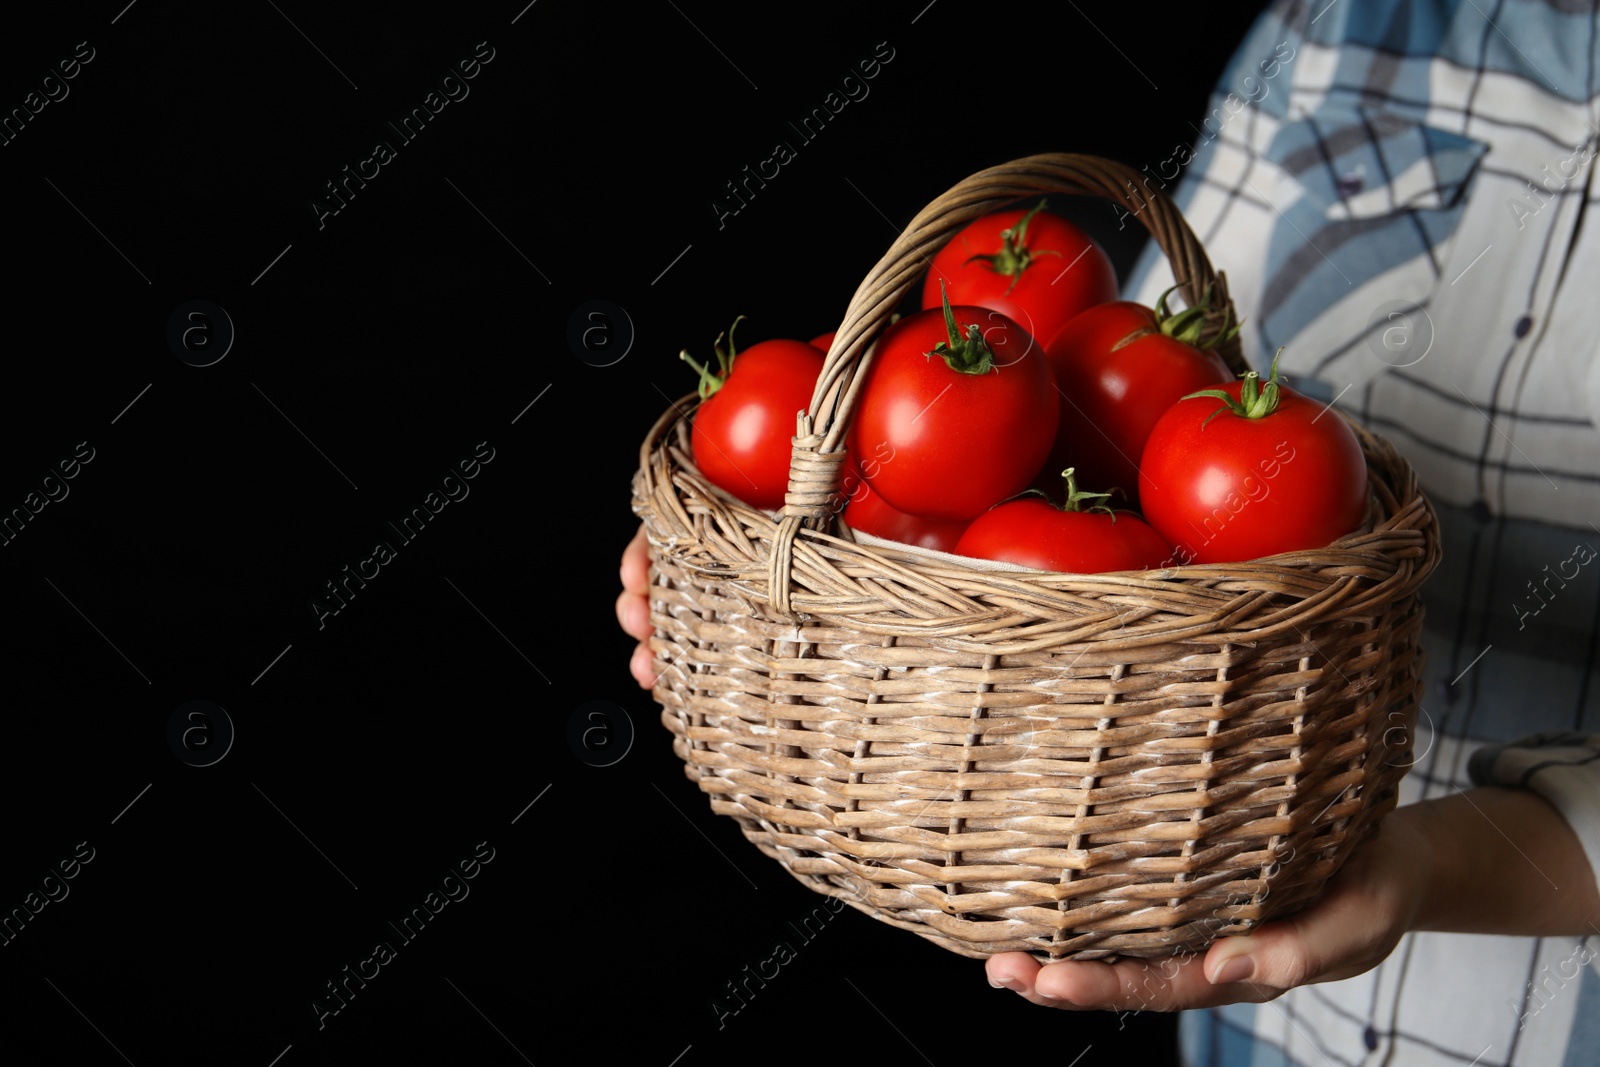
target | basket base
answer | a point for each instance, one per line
(964, 938)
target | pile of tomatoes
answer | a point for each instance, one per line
(1023, 381)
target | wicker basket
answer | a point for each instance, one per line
(1075, 766)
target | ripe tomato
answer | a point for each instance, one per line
(1264, 472)
(870, 513)
(964, 400)
(1035, 268)
(1119, 367)
(823, 341)
(744, 426)
(1032, 532)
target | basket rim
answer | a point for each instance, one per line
(904, 593)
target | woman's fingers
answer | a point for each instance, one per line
(633, 614)
(1173, 984)
(636, 565)
(1332, 941)
(1016, 971)
(642, 665)
(633, 608)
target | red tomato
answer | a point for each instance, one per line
(1223, 486)
(1119, 367)
(745, 423)
(823, 341)
(1035, 268)
(870, 513)
(961, 439)
(1032, 532)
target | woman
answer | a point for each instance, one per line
(1397, 194)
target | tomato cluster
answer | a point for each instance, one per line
(1022, 367)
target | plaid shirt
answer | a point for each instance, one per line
(1396, 192)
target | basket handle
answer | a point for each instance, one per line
(817, 459)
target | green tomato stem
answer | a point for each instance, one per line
(965, 355)
(712, 380)
(1257, 399)
(1189, 324)
(1076, 496)
(1014, 255)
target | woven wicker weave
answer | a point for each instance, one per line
(1076, 766)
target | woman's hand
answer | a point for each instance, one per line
(633, 608)
(1488, 861)
(1369, 905)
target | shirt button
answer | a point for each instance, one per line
(1369, 1037)
(1524, 324)
(1479, 510)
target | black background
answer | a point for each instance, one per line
(376, 352)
